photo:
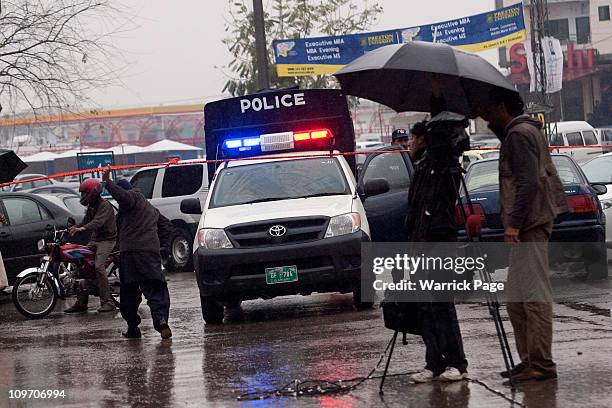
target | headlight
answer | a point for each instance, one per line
(343, 224)
(605, 204)
(213, 238)
(42, 245)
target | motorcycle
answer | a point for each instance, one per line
(37, 290)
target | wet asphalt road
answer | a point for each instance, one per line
(270, 343)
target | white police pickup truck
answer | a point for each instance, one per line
(286, 217)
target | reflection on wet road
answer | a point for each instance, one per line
(267, 344)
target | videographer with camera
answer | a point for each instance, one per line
(531, 196)
(432, 199)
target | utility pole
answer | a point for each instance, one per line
(260, 45)
(538, 13)
(540, 103)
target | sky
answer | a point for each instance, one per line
(173, 51)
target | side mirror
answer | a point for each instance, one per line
(375, 187)
(600, 189)
(191, 206)
(71, 222)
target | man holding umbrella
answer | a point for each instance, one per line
(432, 198)
(398, 76)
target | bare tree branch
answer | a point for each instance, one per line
(53, 53)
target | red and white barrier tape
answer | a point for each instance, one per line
(197, 161)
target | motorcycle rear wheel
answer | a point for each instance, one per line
(32, 300)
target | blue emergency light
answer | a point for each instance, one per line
(276, 121)
(274, 142)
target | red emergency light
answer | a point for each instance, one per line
(311, 134)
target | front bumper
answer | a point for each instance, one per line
(326, 265)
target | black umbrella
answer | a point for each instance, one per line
(399, 76)
(10, 166)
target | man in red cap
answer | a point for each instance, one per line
(101, 222)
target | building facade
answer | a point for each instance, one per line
(584, 29)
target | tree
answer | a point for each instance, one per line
(53, 52)
(289, 19)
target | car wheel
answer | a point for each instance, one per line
(357, 302)
(180, 258)
(597, 270)
(212, 311)
(596, 263)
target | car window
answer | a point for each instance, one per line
(145, 182)
(589, 138)
(607, 136)
(24, 211)
(483, 176)
(182, 180)
(388, 166)
(557, 140)
(574, 139)
(73, 204)
(568, 173)
(599, 170)
(32, 184)
(493, 154)
(279, 180)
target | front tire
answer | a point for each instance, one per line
(180, 259)
(596, 262)
(32, 300)
(357, 301)
(212, 311)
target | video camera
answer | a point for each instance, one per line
(446, 135)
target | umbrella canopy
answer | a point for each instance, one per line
(399, 76)
(10, 166)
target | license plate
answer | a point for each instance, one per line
(281, 274)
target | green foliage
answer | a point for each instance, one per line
(289, 19)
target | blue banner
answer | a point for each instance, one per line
(326, 55)
(95, 160)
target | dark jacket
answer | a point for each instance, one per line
(432, 195)
(137, 220)
(531, 192)
(100, 221)
(431, 200)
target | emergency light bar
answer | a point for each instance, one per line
(274, 141)
(276, 121)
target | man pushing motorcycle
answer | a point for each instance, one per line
(101, 222)
(140, 227)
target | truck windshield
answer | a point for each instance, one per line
(279, 180)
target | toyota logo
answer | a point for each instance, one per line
(277, 231)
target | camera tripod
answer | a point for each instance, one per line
(455, 172)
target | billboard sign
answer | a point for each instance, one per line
(326, 55)
(95, 160)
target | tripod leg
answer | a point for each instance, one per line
(382, 381)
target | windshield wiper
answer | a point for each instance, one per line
(263, 200)
(322, 195)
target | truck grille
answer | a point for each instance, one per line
(296, 230)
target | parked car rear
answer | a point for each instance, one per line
(584, 223)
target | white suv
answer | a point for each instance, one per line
(166, 187)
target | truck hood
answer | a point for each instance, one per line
(330, 206)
